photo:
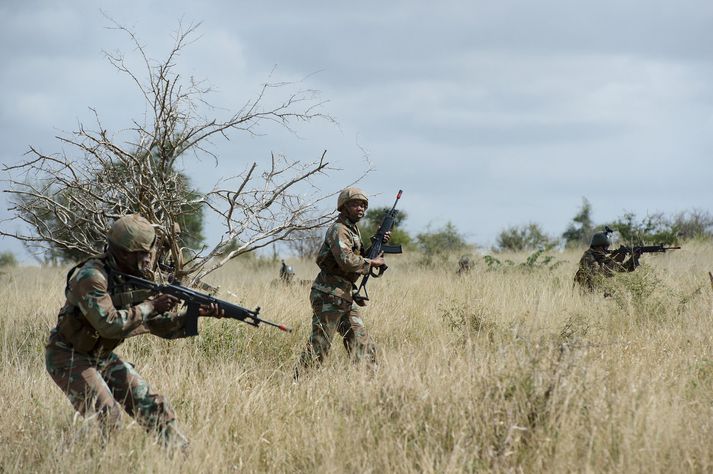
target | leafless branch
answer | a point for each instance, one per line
(66, 202)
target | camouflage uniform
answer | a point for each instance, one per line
(465, 264)
(597, 263)
(341, 262)
(287, 273)
(100, 311)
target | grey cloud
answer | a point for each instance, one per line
(487, 113)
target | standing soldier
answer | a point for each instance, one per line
(598, 263)
(341, 264)
(100, 311)
(287, 273)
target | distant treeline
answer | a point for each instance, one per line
(656, 228)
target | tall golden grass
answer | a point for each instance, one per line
(505, 370)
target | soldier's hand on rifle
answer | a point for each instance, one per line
(163, 303)
(212, 309)
(387, 237)
(378, 261)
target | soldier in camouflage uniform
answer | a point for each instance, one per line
(598, 263)
(341, 263)
(100, 311)
(287, 273)
(465, 265)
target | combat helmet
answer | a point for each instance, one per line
(349, 194)
(600, 239)
(132, 233)
(288, 274)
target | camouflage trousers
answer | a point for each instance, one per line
(332, 314)
(98, 387)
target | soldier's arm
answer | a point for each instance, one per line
(169, 325)
(339, 241)
(172, 324)
(610, 266)
(94, 301)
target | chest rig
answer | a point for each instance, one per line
(77, 331)
(328, 263)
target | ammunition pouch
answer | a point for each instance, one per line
(78, 333)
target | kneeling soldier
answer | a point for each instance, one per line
(598, 263)
(101, 310)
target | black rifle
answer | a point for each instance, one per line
(639, 249)
(194, 299)
(377, 248)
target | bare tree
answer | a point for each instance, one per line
(69, 199)
(306, 243)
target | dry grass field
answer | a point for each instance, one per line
(503, 370)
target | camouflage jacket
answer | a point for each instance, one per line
(596, 264)
(340, 260)
(101, 310)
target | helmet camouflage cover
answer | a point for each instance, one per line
(600, 239)
(132, 233)
(350, 194)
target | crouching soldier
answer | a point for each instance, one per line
(465, 265)
(598, 263)
(341, 264)
(100, 311)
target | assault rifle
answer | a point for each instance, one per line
(377, 248)
(194, 299)
(638, 250)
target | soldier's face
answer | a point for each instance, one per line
(135, 263)
(355, 209)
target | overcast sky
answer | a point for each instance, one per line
(487, 114)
